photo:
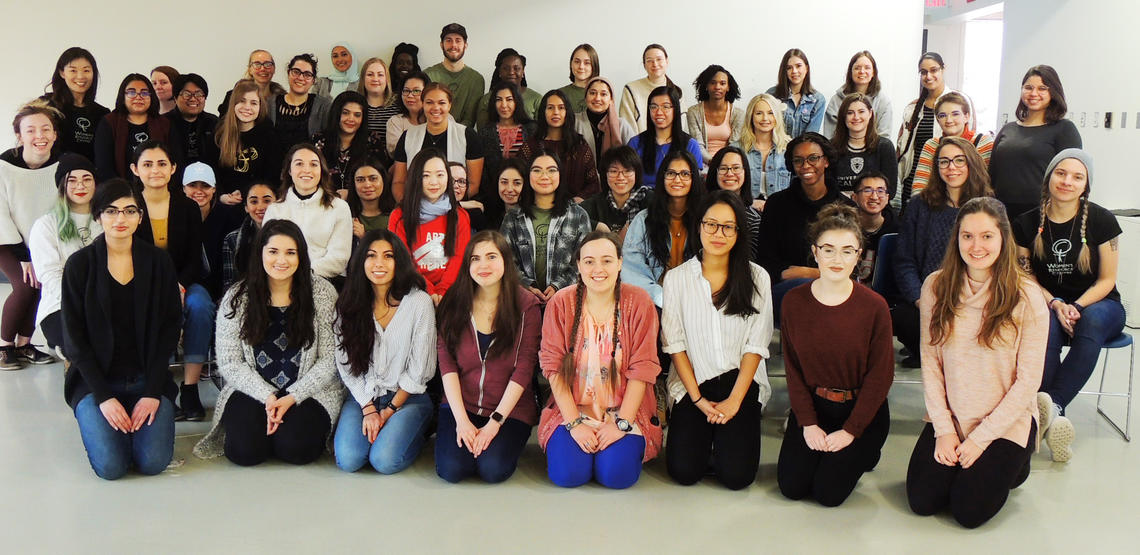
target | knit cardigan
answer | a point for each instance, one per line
(695, 116)
(317, 377)
(983, 393)
(924, 234)
(638, 333)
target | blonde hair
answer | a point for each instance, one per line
(780, 138)
(246, 74)
(389, 98)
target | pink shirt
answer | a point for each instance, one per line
(718, 135)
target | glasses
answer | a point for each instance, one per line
(846, 253)
(540, 171)
(813, 160)
(373, 179)
(129, 211)
(660, 107)
(460, 181)
(306, 75)
(412, 92)
(131, 93)
(617, 173)
(712, 228)
(954, 114)
(959, 161)
(262, 65)
(876, 191)
(195, 95)
(683, 175)
(725, 170)
(924, 72)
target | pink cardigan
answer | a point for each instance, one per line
(639, 347)
(979, 393)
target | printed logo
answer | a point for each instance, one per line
(83, 124)
(141, 137)
(1061, 249)
(857, 164)
(244, 159)
(430, 255)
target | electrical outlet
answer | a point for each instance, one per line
(1083, 119)
(1005, 118)
(1108, 120)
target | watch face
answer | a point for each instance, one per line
(624, 425)
(497, 417)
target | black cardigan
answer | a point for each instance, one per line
(783, 229)
(183, 237)
(88, 339)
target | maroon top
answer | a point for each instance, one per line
(483, 386)
(848, 346)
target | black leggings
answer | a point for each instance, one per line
(905, 321)
(829, 478)
(974, 495)
(734, 445)
(300, 439)
(52, 327)
(19, 317)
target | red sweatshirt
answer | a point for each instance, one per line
(437, 268)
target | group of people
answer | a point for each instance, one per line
(477, 261)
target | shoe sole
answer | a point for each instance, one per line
(1060, 439)
(11, 368)
(1044, 401)
(30, 361)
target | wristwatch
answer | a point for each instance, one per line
(624, 425)
(394, 408)
(574, 423)
(497, 417)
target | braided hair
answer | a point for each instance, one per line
(568, 370)
(1084, 259)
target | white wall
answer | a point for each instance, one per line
(1092, 47)
(206, 37)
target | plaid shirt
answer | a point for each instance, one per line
(566, 231)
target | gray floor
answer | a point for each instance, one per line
(54, 503)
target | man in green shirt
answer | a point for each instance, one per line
(466, 84)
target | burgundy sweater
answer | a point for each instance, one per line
(848, 346)
(483, 384)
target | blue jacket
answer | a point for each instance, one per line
(776, 171)
(638, 266)
(808, 116)
(650, 178)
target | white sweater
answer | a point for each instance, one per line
(328, 230)
(25, 195)
(50, 253)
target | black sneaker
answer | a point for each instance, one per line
(31, 355)
(191, 405)
(9, 360)
(911, 362)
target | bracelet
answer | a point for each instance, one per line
(394, 408)
(370, 413)
(1053, 300)
(574, 423)
(699, 399)
(1078, 306)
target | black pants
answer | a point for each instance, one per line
(829, 478)
(905, 320)
(974, 495)
(300, 439)
(734, 445)
(52, 328)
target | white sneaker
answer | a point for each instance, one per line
(1060, 439)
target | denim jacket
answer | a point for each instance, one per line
(566, 231)
(638, 266)
(807, 117)
(776, 170)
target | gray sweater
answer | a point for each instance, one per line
(236, 360)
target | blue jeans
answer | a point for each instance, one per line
(111, 452)
(616, 467)
(198, 324)
(497, 463)
(1099, 322)
(781, 289)
(398, 443)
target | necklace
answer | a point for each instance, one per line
(1055, 244)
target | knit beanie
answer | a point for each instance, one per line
(1084, 157)
(69, 162)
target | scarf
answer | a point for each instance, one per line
(610, 124)
(432, 210)
(341, 79)
(634, 204)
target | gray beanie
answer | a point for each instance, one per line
(1077, 153)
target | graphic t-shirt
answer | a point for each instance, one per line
(541, 237)
(1057, 272)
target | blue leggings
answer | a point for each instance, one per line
(617, 466)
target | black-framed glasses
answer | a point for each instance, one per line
(712, 228)
(683, 174)
(306, 75)
(262, 65)
(128, 211)
(829, 251)
(813, 160)
(192, 95)
(412, 92)
(725, 170)
(959, 161)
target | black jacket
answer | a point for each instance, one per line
(183, 237)
(783, 229)
(88, 339)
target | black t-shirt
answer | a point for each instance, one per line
(865, 269)
(474, 151)
(1057, 272)
(136, 135)
(77, 133)
(292, 122)
(852, 164)
(125, 354)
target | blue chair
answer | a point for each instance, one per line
(883, 280)
(1119, 342)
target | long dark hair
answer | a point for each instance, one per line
(387, 201)
(712, 182)
(325, 185)
(1057, 107)
(358, 299)
(561, 194)
(648, 138)
(657, 218)
(254, 289)
(977, 181)
(413, 197)
(570, 137)
(359, 145)
(152, 144)
(519, 116)
(567, 370)
(843, 134)
(60, 95)
(849, 82)
(453, 317)
(121, 101)
(922, 94)
(783, 87)
(736, 295)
